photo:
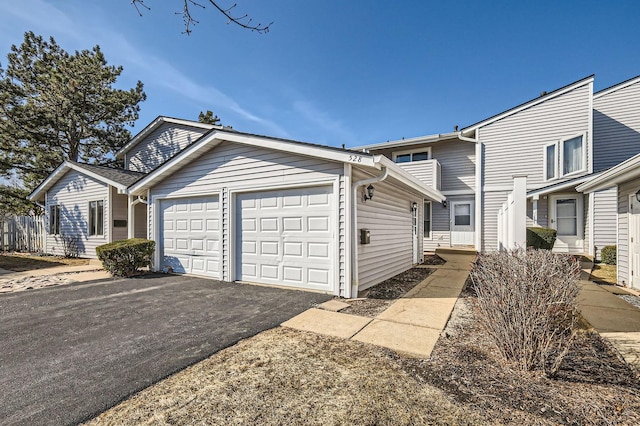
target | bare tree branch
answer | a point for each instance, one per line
(243, 21)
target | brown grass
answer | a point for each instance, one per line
(20, 262)
(284, 376)
(603, 273)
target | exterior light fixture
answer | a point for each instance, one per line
(444, 204)
(414, 206)
(638, 195)
(369, 194)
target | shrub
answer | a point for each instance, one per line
(125, 257)
(541, 238)
(70, 246)
(608, 255)
(527, 304)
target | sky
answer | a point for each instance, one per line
(343, 72)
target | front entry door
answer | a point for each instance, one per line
(567, 217)
(462, 223)
(634, 241)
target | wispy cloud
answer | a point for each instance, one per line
(335, 129)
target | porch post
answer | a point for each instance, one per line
(131, 216)
(519, 223)
(535, 210)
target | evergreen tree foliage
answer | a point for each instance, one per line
(208, 118)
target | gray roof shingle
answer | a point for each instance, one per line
(121, 176)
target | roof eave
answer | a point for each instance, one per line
(627, 170)
(412, 141)
(409, 180)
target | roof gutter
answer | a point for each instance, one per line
(353, 288)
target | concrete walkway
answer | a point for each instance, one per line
(11, 281)
(614, 318)
(412, 324)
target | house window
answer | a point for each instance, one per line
(96, 217)
(573, 156)
(567, 217)
(54, 220)
(410, 156)
(462, 214)
(427, 219)
(550, 161)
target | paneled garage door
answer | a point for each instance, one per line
(191, 235)
(286, 238)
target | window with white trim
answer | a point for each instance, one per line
(96, 217)
(427, 219)
(573, 155)
(412, 155)
(54, 220)
(550, 161)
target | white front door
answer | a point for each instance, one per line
(567, 217)
(286, 238)
(462, 223)
(634, 241)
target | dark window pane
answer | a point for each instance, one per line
(403, 158)
(420, 156)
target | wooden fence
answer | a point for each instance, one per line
(23, 233)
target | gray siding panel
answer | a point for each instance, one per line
(73, 192)
(162, 144)
(515, 144)
(616, 126)
(388, 217)
(605, 219)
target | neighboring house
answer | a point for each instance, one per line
(241, 207)
(521, 167)
(626, 178)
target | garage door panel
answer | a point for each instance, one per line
(293, 242)
(187, 246)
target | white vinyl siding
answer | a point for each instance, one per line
(427, 171)
(604, 219)
(159, 146)
(388, 217)
(515, 144)
(72, 193)
(616, 126)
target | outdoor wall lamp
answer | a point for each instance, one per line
(638, 195)
(444, 204)
(414, 206)
(369, 194)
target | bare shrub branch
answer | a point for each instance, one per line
(527, 304)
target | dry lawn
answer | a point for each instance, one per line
(603, 273)
(283, 377)
(20, 262)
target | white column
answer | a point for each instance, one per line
(478, 198)
(519, 224)
(535, 210)
(131, 216)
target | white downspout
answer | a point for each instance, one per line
(478, 189)
(353, 288)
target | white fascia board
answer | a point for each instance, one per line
(527, 105)
(573, 183)
(616, 87)
(409, 142)
(37, 193)
(409, 180)
(627, 170)
(157, 123)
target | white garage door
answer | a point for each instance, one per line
(286, 238)
(191, 235)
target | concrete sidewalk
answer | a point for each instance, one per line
(412, 324)
(614, 318)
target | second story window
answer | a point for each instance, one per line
(573, 156)
(413, 155)
(550, 162)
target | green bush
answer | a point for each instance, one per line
(608, 255)
(541, 238)
(125, 257)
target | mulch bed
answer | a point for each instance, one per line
(593, 386)
(380, 297)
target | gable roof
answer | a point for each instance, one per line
(627, 170)
(159, 121)
(329, 153)
(616, 87)
(470, 129)
(118, 178)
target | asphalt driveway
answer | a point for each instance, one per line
(68, 353)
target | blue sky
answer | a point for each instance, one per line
(352, 72)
